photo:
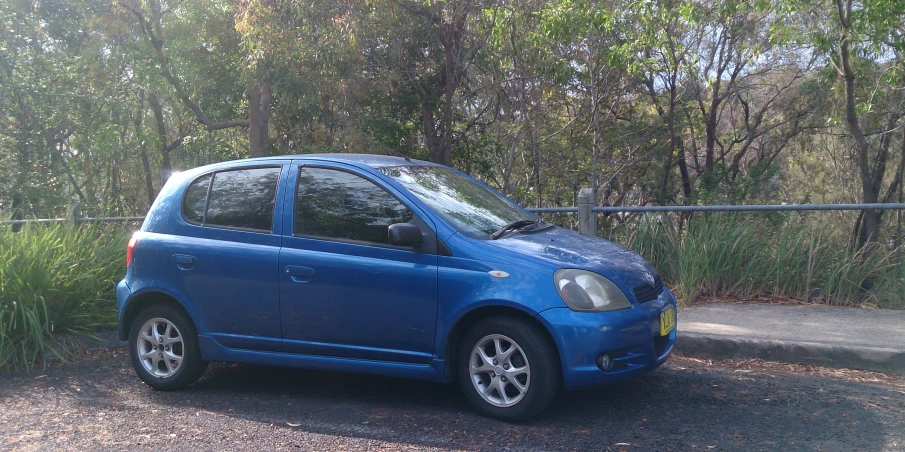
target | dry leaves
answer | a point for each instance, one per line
(759, 366)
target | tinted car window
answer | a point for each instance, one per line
(341, 205)
(195, 200)
(243, 199)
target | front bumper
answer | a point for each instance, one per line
(630, 336)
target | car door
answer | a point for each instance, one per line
(344, 290)
(225, 254)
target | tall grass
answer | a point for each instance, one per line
(53, 280)
(745, 255)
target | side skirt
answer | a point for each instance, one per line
(213, 351)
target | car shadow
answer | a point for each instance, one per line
(668, 409)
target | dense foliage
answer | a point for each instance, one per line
(663, 102)
(55, 280)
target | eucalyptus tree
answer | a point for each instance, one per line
(745, 76)
(514, 78)
(59, 109)
(184, 42)
(592, 38)
(865, 43)
(427, 51)
(313, 56)
(663, 35)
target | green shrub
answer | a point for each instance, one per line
(55, 279)
(744, 255)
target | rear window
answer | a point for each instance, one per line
(236, 199)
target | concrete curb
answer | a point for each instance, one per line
(849, 356)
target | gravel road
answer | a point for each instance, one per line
(97, 403)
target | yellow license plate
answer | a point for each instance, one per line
(667, 321)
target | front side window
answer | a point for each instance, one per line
(339, 205)
(237, 199)
(470, 207)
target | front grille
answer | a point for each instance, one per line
(648, 292)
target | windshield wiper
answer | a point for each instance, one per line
(512, 226)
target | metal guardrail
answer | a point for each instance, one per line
(587, 218)
(587, 215)
(727, 208)
(75, 217)
(72, 220)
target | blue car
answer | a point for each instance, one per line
(385, 266)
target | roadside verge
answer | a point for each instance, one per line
(852, 338)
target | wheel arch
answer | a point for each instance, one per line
(473, 317)
(140, 302)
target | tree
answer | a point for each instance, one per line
(591, 36)
(150, 18)
(860, 42)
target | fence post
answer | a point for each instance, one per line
(587, 219)
(75, 214)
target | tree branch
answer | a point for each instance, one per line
(174, 81)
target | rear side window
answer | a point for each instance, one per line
(340, 205)
(196, 200)
(237, 199)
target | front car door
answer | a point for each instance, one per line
(344, 290)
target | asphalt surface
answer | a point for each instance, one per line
(97, 403)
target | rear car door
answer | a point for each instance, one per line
(344, 290)
(227, 251)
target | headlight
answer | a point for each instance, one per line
(586, 291)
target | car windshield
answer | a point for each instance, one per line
(468, 206)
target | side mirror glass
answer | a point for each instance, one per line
(404, 234)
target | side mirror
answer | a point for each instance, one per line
(404, 234)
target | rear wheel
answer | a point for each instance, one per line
(163, 345)
(508, 368)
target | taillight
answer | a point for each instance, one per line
(129, 249)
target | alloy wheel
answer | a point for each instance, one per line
(499, 370)
(160, 347)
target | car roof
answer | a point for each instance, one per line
(372, 160)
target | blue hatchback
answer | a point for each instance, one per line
(386, 266)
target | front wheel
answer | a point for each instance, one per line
(163, 345)
(508, 368)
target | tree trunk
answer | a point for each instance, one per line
(673, 140)
(683, 171)
(450, 50)
(166, 168)
(711, 126)
(23, 161)
(260, 98)
(143, 154)
(595, 139)
(869, 228)
(536, 154)
(429, 125)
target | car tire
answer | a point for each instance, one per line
(517, 375)
(163, 345)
